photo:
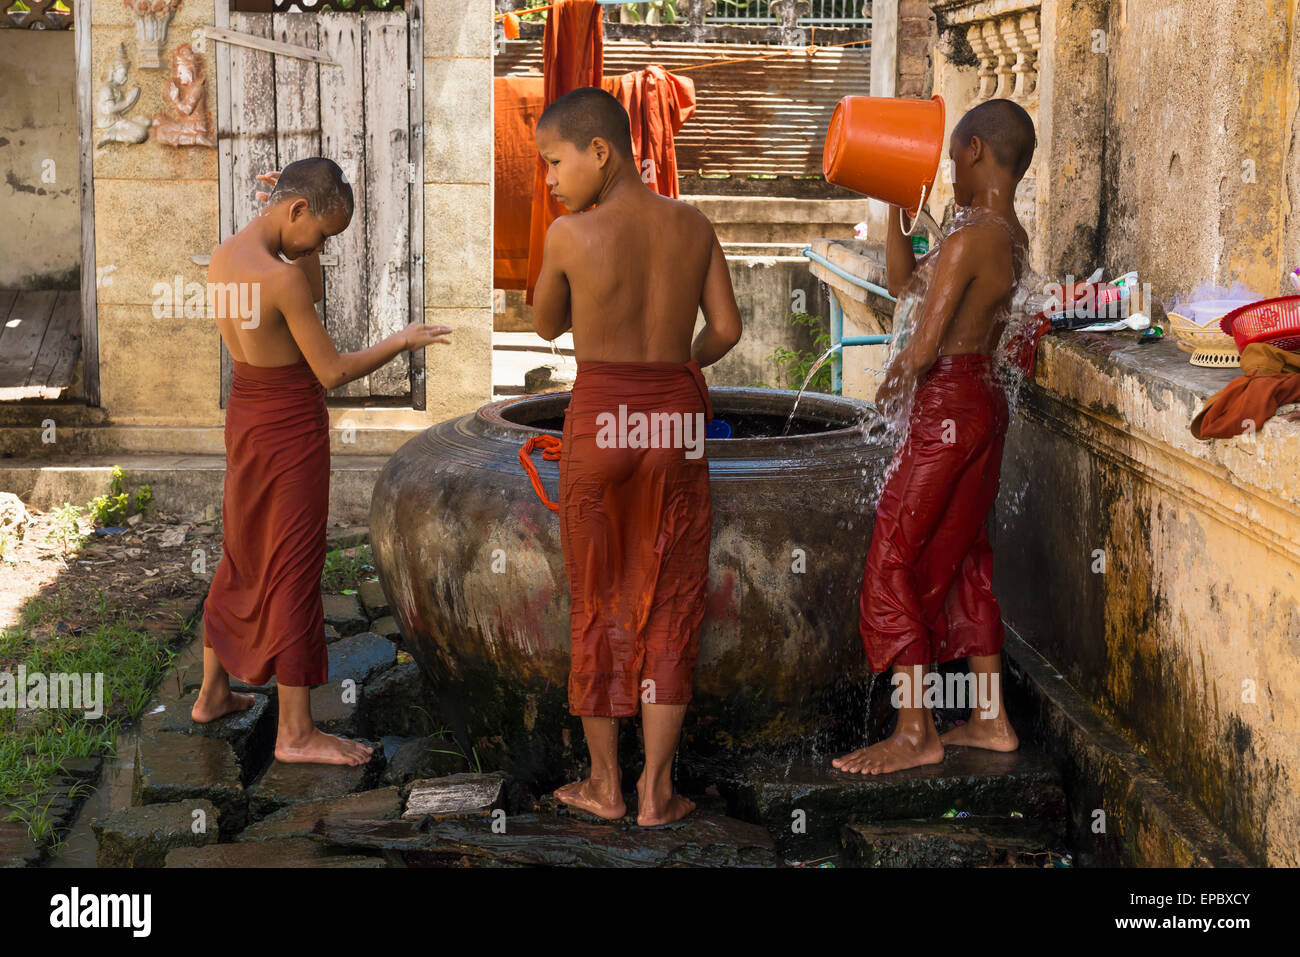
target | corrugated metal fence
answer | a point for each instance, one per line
(762, 116)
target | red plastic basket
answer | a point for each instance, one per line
(1275, 321)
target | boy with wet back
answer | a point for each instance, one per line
(927, 588)
(263, 613)
(628, 277)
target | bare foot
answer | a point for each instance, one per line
(322, 748)
(995, 734)
(585, 796)
(895, 753)
(653, 811)
(206, 710)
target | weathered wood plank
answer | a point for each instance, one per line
(297, 91)
(297, 51)
(24, 330)
(415, 224)
(61, 345)
(86, 173)
(343, 141)
(387, 214)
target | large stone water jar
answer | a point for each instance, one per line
(470, 561)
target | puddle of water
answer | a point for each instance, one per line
(112, 793)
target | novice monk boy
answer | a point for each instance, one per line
(635, 514)
(263, 613)
(927, 589)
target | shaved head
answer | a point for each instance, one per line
(318, 180)
(588, 112)
(1005, 128)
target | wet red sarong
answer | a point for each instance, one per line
(927, 592)
(263, 613)
(635, 524)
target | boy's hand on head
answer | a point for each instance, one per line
(270, 179)
(420, 334)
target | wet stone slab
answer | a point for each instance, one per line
(428, 757)
(399, 701)
(343, 612)
(372, 597)
(250, 733)
(142, 836)
(361, 656)
(539, 840)
(980, 782)
(338, 710)
(456, 795)
(172, 767)
(970, 842)
(286, 852)
(284, 784)
(298, 820)
(387, 626)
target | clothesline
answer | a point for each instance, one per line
(810, 49)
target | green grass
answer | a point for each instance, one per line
(33, 744)
(346, 572)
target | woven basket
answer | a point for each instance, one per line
(1209, 346)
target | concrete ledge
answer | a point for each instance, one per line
(181, 484)
(1145, 824)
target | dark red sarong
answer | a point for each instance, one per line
(263, 614)
(635, 525)
(927, 590)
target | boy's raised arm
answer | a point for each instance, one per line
(722, 322)
(900, 259)
(293, 298)
(551, 314)
(953, 273)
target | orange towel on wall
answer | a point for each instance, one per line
(518, 101)
(572, 56)
(657, 104)
(263, 614)
(1270, 378)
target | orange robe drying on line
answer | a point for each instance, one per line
(517, 106)
(263, 614)
(573, 55)
(657, 104)
(635, 525)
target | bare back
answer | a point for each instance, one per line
(996, 252)
(252, 278)
(637, 268)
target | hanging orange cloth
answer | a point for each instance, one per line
(518, 104)
(1270, 378)
(657, 104)
(572, 56)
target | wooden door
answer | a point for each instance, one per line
(274, 108)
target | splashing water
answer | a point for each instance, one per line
(807, 379)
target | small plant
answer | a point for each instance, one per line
(66, 530)
(344, 573)
(793, 364)
(115, 507)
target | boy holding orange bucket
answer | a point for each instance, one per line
(927, 588)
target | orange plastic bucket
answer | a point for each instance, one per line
(885, 148)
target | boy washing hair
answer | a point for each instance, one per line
(927, 588)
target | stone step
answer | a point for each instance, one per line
(284, 784)
(540, 840)
(284, 852)
(963, 842)
(250, 733)
(181, 484)
(172, 767)
(806, 803)
(143, 836)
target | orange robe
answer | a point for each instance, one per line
(263, 614)
(635, 523)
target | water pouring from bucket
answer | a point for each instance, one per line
(888, 149)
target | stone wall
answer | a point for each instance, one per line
(38, 151)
